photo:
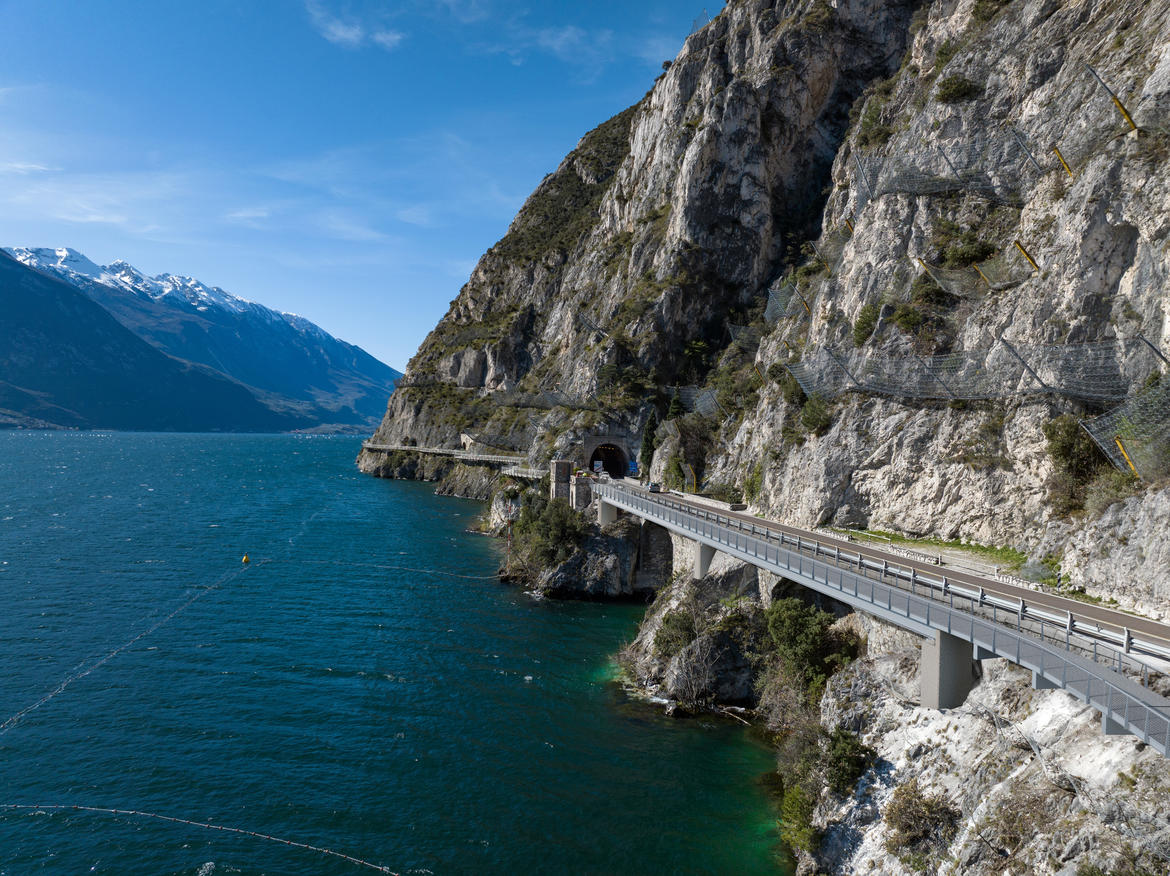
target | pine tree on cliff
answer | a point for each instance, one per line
(646, 455)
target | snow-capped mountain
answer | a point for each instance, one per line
(293, 365)
(66, 361)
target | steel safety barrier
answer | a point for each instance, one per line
(1082, 657)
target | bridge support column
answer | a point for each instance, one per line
(946, 671)
(1039, 682)
(1112, 728)
(606, 513)
(704, 553)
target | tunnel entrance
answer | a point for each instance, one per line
(612, 458)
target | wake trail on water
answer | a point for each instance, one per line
(226, 578)
(58, 807)
(383, 566)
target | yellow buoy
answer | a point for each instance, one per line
(245, 560)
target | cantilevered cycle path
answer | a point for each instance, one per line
(513, 464)
(1101, 656)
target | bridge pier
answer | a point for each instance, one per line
(704, 553)
(946, 671)
(1039, 682)
(606, 513)
(1109, 727)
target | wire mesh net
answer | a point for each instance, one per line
(779, 297)
(787, 300)
(1007, 268)
(746, 337)
(832, 245)
(546, 400)
(500, 441)
(707, 404)
(696, 400)
(960, 282)
(1139, 430)
(1002, 271)
(686, 395)
(590, 325)
(1102, 371)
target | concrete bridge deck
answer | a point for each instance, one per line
(1102, 656)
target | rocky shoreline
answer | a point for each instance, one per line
(813, 179)
(1019, 780)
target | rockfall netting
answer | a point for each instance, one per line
(784, 299)
(696, 400)
(1001, 164)
(746, 337)
(1002, 271)
(996, 166)
(590, 325)
(1136, 435)
(1100, 371)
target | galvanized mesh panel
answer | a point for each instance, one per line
(820, 374)
(960, 282)
(1007, 268)
(707, 404)
(778, 301)
(1140, 427)
(498, 441)
(832, 245)
(1101, 371)
(590, 324)
(747, 337)
(686, 395)
(696, 400)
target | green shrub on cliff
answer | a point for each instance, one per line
(847, 758)
(796, 827)
(816, 416)
(563, 209)
(1076, 462)
(675, 632)
(867, 319)
(958, 89)
(547, 532)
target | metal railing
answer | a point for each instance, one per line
(1076, 654)
(466, 455)
(520, 471)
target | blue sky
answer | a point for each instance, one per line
(347, 160)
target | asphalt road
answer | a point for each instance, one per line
(1107, 618)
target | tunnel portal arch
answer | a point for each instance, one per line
(613, 459)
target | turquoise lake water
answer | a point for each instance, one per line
(324, 694)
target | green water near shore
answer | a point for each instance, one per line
(325, 693)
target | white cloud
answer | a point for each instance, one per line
(656, 49)
(348, 30)
(465, 11)
(252, 217)
(422, 215)
(387, 39)
(134, 202)
(338, 225)
(24, 168)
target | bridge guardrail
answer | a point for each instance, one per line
(469, 455)
(1120, 638)
(1034, 644)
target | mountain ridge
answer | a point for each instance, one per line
(291, 364)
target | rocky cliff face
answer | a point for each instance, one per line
(618, 275)
(929, 130)
(907, 180)
(979, 79)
